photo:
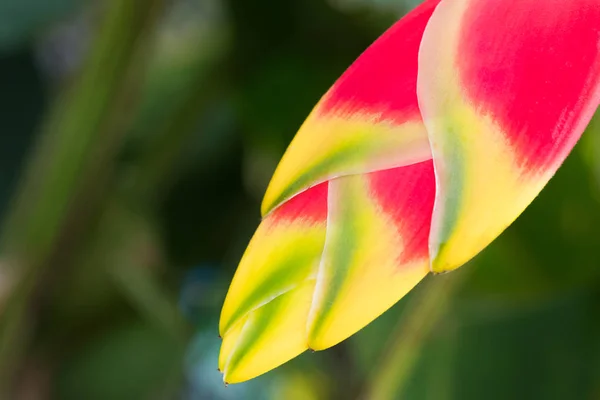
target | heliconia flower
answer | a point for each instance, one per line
(420, 155)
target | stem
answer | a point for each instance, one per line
(419, 319)
(71, 136)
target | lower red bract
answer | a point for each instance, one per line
(531, 65)
(407, 194)
(310, 205)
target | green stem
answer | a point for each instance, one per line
(419, 319)
(72, 135)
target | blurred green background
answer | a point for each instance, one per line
(136, 140)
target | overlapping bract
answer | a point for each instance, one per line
(421, 154)
(506, 90)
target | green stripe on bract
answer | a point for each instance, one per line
(343, 241)
(255, 328)
(349, 152)
(365, 149)
(285, 274)
(261, 329)
(455, 173)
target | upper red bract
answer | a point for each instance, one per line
(530, 65)
(383, 80)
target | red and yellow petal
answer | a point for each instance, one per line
(268, 336)
(375, 251)
(302, 281)
(505, 90)
(368, 121)
(284, 252)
